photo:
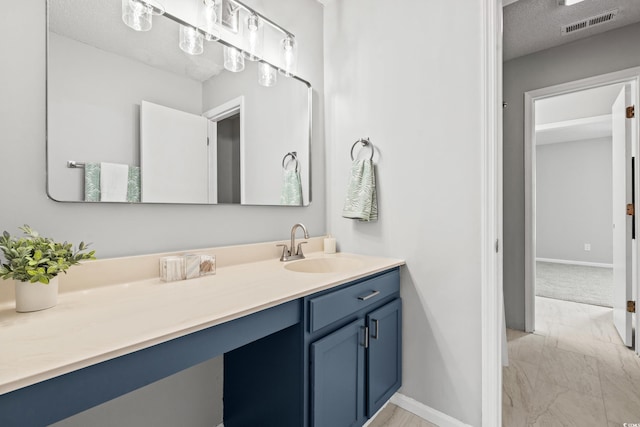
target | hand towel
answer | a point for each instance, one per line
(114, 179)
(133, 185)
(291, 188)
(361, 202)
(92, 182)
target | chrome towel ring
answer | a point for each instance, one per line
(365, 142)
(294, 157)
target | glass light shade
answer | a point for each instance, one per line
(191, 41)
(267, 75)
(137, 15)
(289, 56)
(208, 20)
(254, 38)
(233, 59)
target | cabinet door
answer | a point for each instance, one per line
(337, 377)
(384, 358)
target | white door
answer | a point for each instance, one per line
(622, 223)
(213, 161)
(174, 160)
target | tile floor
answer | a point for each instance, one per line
(573, 371)
(394, 416)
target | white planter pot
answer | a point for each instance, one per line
(36, 296)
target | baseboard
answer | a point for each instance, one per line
(425, 412)
(571, 262)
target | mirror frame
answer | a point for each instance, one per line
(224, 43)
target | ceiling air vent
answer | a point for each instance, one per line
(590, 22)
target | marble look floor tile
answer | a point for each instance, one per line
(518, 380)
(394, 416)
(618, 360)
(526, 347)
(574, 371)
(514, 417)
(602, 329)
(621, 398)
(558, 406)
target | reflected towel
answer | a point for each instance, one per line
(361, 202)
(92, 182)
(291, 188)
(114, 179)
(133, 185)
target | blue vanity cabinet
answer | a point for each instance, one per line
(337, 377)
(384, 366)
(354, 350)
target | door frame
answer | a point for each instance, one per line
(492, 301)
(223, 111)
(630, 75)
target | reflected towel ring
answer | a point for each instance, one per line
(364, 142)
(294, 157)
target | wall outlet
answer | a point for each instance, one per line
(587, 246)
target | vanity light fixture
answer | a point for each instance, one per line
(267, 75)
(569, 2)
(254, 38)
(191, 40)
(138, 14)
(233, 59)
(208, 20)
(289, 55)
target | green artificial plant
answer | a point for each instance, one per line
(34, 258)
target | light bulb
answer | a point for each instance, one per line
(191, 40)
(289, 55)
(267, 75)
(137, 15)
(233, 59)
(254, 38)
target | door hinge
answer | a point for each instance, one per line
(630, 209)
(631, 306)
(207, 141)
(631, 112)
(497, 245)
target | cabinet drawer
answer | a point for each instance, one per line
(326, 309)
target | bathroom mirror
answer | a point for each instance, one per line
(177, 128)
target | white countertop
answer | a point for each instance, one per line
(93, 324)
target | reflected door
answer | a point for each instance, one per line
(174, 159)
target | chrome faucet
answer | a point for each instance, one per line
(289, 254)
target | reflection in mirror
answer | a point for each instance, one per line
(146, 122)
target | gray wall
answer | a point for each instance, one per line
(428, 167)
(611, 51)
(121, 229)
(573, 201)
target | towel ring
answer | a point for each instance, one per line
(364, 142)
(294, 157)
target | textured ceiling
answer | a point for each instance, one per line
(534, 25)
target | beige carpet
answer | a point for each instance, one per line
(588, 285)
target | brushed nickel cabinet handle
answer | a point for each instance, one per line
(371, 295)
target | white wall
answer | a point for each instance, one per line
(573, 201)
(109, 131)
(607, 52)
(406, 74)
(123, 229)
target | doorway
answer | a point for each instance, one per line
(553, 228)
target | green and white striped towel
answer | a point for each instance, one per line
(92, 183)
(291, 188)
(361, 202)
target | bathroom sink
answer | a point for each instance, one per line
(323, 265)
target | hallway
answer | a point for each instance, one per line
(573, 371)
